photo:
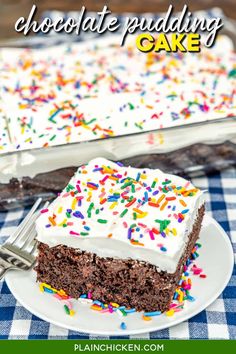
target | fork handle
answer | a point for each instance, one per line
(3, 271)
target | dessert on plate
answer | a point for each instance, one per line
(120, 233)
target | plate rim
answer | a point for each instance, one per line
(150, 329)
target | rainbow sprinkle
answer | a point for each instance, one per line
(146, 208)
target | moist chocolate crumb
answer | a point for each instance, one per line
(129, 282)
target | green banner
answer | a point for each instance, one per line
(116, 346)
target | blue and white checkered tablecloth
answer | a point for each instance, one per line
(218, 321)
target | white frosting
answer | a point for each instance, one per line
(159, 245)
(97, 89)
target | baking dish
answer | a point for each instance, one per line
(169, 148)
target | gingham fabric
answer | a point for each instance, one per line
(218, 321)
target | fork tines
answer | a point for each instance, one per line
(19, 250)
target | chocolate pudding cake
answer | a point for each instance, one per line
(120, 233)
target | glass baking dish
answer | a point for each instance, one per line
(190, 150)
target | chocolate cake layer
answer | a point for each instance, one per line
(128, 282)
(18, 193)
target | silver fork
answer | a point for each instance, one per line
(18, 252)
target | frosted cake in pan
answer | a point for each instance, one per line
(96, 90)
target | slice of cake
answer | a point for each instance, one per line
(120, 233)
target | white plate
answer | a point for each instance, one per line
(216, 259)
